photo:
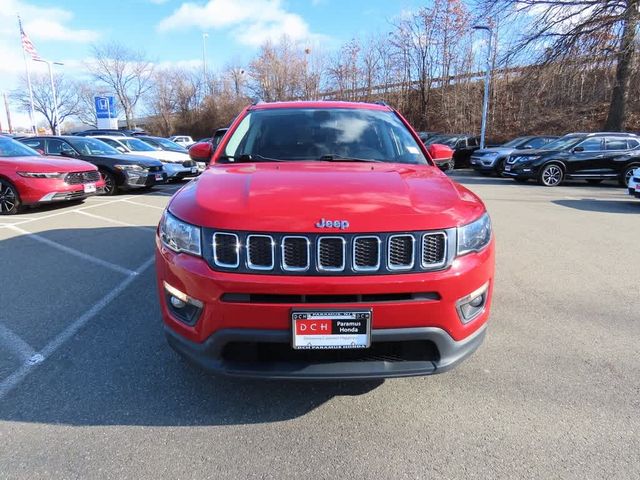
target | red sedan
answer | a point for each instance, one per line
(28, 178)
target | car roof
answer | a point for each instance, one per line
(112, 137)
(608, 134)
(320, 104)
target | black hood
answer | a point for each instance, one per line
(132, 160)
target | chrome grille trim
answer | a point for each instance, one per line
(216, 247)
(340, 253)
(354, 258)
(400, 266)
(254, 266)
(283, 246)
(322, 268)
(442, 258)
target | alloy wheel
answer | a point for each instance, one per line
(552, 175)
(8, 198)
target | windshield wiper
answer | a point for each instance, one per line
(339, 158)
(249, 158)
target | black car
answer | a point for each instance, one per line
(162, 143)
(593, 157)
(491, 160)
(120, 171)
(463, 147)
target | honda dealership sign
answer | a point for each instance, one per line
(106, 111)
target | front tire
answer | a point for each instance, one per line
(9, 199)
(551, 175)
(626, 176)
(110, 186)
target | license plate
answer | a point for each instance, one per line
(158, 177)
(89, 188)
(194, 169)
(331, 329)
(507, 168)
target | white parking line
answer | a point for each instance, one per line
(16, 377)
(71, 251)
(116, 222)
(64, 212)
(16, 344)
(143, 204)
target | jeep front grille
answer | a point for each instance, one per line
(366, 253)
(433, 249)
(339, 254)
(331, 253)
(295, 254)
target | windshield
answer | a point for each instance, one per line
(516, 142)
(563, 143)
(92, 146)
(136, 145)
(331, 134)
(166, 144)
(13, 148)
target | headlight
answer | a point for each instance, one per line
(474, 236)
(136, 168)
(530, 159)
(179, 236)
(42, 175)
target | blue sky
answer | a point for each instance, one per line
(170, 31)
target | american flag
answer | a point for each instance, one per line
(27, 46)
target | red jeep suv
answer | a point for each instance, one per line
(323, 243)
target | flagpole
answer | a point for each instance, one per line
(26, 64)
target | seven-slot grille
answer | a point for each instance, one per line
(344, 254)
(76, 178)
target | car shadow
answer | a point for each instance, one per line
(604, 206)
(118, 369)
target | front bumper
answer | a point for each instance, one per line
(240, 307)
(482, 164)
(44, 190)
(140, 179)
(177, 171)
(517, 171)
(208, 355)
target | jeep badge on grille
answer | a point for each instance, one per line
(341, 224)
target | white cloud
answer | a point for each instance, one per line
(42, 24)
(250, 22)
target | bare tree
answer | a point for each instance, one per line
(278, 71)
(66, 94)
(569, 29)
(126, 72)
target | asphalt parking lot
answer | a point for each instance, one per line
(89, 388)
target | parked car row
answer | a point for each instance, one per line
(593, 157)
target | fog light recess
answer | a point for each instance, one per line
(472, 305)
(182, 306)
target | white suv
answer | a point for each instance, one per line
(634, 183)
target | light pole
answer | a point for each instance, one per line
(53, 92)
(487, 80)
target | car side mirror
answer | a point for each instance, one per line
(69, 153)
(201, 152)
(578, 149)
(121, 149)
(441, 155)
